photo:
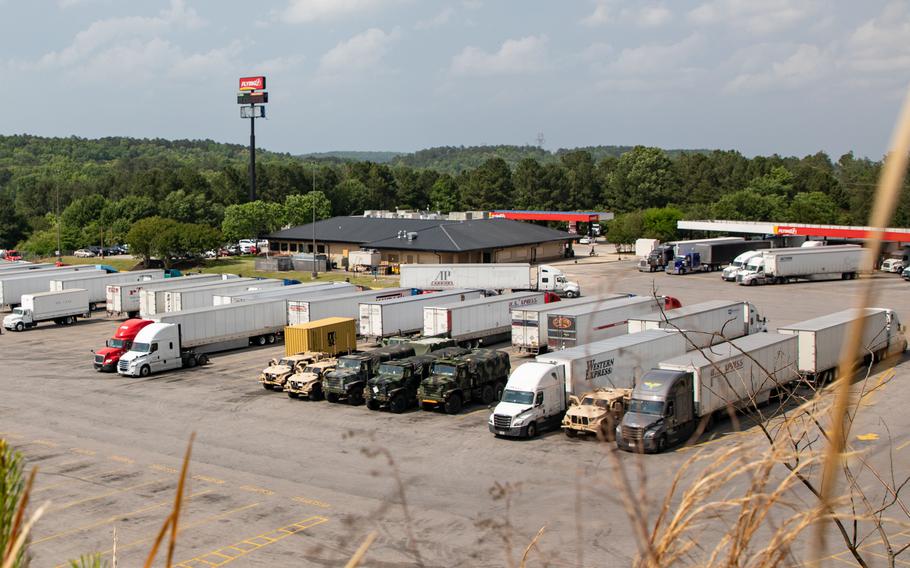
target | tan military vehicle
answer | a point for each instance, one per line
(276, 374)
(307, 382)
(596, 412)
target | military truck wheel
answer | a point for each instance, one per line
(398, 404)
(426, 406)
(453, 404)
(20, 326)
(570, 433)
(266, 387)
(331, 397)
(498, 390)
(355, 399)
(373, 404)
(316, 393)
(532, 430)
(292, 394)
(145, 371)
(487, 394)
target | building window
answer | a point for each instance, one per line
(410, 259)
(283, 247)
(320, 248)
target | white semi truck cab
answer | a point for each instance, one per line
(534, 398)
(739, 264)
(155, 349)
(551, 279)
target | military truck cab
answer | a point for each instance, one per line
(661, 412)
(395, 385)
(352, 372)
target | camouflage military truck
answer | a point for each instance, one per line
(395, 386)
(477, 376)
(307, 381)
(276, 374)
(351, 373)
(596, 413)
(422, 345)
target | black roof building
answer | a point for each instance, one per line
(435, 235)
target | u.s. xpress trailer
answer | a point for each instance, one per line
(480, 321)
(402, 316)
(706, 323)
(529, 324)
(342, 305)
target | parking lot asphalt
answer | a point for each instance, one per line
(282, 482)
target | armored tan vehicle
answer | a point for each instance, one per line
(477, 376)
(353, 371)
(276, 374)
(307, 381)
(396, 384)
(596, 413)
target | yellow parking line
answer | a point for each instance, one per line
(904, 445)
(164, 468)
(82, 452)
(74, 479)
(121, 459)
(115, 518)
(313, 502)
(230, 553)
(103, 495)
(254, 489)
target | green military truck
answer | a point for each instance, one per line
(421, 345)
(479, 375)
(353, 371)
(396, 384)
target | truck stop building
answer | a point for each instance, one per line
(425, 241)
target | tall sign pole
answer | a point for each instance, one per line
(252, 93)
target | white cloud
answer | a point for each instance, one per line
(306, 11)
(646, 15)
(515, 57)
(882, 44)
(440, 19)
(756, 17)
(803, 65)
(656, 58)
(362, 52)
(278, 65)
(650, 67)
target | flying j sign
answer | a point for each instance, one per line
(252, 83)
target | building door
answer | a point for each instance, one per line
(487, 258)
(533, 255)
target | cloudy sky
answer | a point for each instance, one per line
(760, 76)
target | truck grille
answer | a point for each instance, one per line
(99, 358)
(123, 365)
(333, 383)
(500, 421)
(432, 391)
(580, 420)
(632, 433)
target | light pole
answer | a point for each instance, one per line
(315, 273)
(57, 214)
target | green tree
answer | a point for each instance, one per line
(528, 183)
(660, 223)
(813, 207)
(191, 208)
(642, 178)
(444, 195)
(298, 209)
(625, 228)
(488, 187)
(83, 211)
(143, 236)
(351, 196)
(11, 224)
(778, 182)
(197, 238)
(252, 220)
(749, 205)
(581, 173)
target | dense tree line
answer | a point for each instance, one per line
(105, 186)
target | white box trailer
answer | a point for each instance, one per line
(123, 299)
(643, 247)
(618, 362)
(364, 258)
(342, 305)
(835, 262)
(585, 324)
(821, 340)
(179, 300)
(499, 276)
(706, 323)
(96, 284)
(668, 402)
(529, 324)
(12, 287)
(404, 316)
(292, 292)
(22, 266)
(60, 306)
(229, 326)
(152, 300)
(485, 320)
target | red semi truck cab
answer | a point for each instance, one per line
(106, 359)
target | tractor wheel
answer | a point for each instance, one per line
(532, 430)
(145, 371)
(20, 326)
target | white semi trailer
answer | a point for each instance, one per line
(402, 316)
(62, 307)
(96, 284)
(501, 276)
(184, 339)
(782, 266)
(152, 301)
(178, 300)
(613, 363)
(706, 323)
(529, 324)
(123, 299)
(670, 400)
(342, 305)
(477, 322)
(580, 325)
(12, 287)
(292, 292)
(822, 340)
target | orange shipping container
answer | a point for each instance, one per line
(329, 335)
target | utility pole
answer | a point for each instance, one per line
(57, 214)
(315, 273)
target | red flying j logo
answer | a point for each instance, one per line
(252, 83)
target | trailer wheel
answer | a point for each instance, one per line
(662, 443)
(92, 307)
(70, 320)
(453, 404)
(487, 394)
(270, 338)
(145, 371)
(398, 404)
(260, 341)
(20, 326)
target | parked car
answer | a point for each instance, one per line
(895, 265)
(906, 274)
(84, 253)
(585, 241)
(210, 254)
(233, 250)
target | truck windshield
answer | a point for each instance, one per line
(589, 401)
(19, 311)
(393, 370)
(444, 370)
(287, 362)
(646, 407)
(315, 370)
(117, 343)
(755, 265)
(348, 364)
(518, 397)
(141, 347)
